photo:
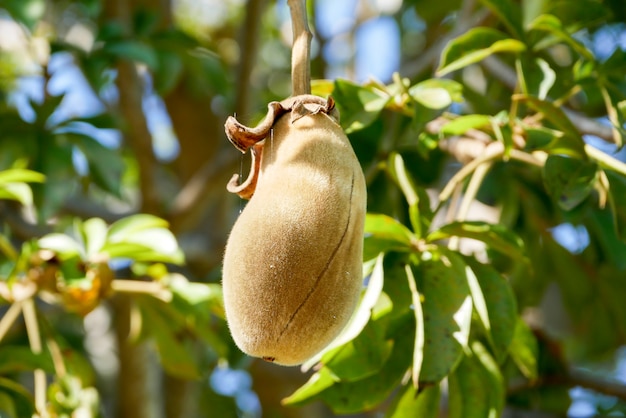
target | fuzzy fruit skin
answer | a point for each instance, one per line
(292, 269)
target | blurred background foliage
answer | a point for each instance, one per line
(490, 133)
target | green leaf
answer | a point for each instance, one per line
(476, 386)
(462, 124)
(447, 309)
(24, 402)
(436, 93)
(198, 303)
(474, 46)
(7, 406)
(19, 192)
(63, 245)
(403, 179)
(383, 234)
(509, 13)
(94, 235)
(124, 228)
(133, 50)
(105, 164)
(409, 403)
(359, 105)
(588, 13)
(15, 359)
(179, 354)
(431, 97)
(524, 350)
(552, 25)
(169, 71)
(28, 12)
(495, 236)
(501, 307)
(569, 180)
(317, 383)
(142, 252)
(20, 175)
(361, 357)
(364, 394)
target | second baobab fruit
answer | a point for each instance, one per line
(293, 262)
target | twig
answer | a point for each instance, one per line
(573, 378)
(191, 199)
(34, 338)
(605, 160)
(57, 357)
(469, 196)
(604, 386)
(301, 48)
(155, 289)
(494, 151)
(9, 318)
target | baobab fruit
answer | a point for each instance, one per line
(293, 262)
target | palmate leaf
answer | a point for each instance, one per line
(474, 46)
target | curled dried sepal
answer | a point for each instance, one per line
(244, 138)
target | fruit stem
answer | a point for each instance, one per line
(301, 49)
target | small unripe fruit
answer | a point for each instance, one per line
(293, 262)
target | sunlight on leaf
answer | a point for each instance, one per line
(63, 245)
(384, 233)
(410, 403)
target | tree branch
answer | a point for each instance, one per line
(301, 49)
(574, 377)
(137, 134)
(190, 202)
(248, 45)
